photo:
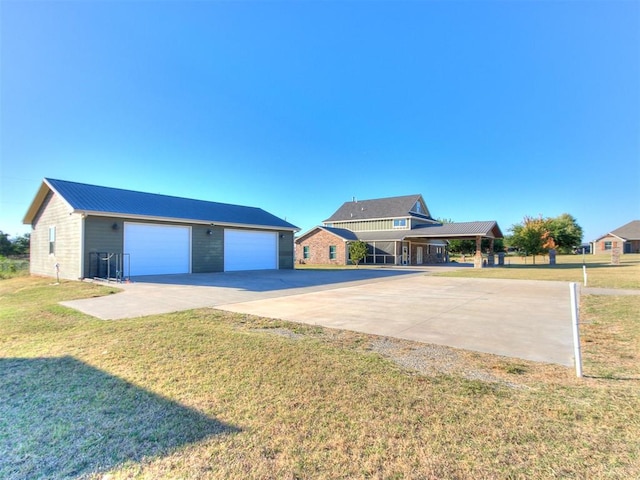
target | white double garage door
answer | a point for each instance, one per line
(166, 249)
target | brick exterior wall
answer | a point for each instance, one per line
(614, 241)
(631, 246)
(319, 242)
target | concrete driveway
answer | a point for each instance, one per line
(521, 319)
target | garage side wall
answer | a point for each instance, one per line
(285, 250)
(55, 214)
(101, 235)
(207, 249)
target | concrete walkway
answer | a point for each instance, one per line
(522, 319)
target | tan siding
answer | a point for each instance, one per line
(56, 213)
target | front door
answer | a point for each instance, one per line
(405, 255)
(419, 255)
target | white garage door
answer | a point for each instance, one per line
(250, 250)
(157, 249)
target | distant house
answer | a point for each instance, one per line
(626, 238)
(91, 231)
(397, 230)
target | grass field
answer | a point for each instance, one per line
(208, 394)
(568, 268)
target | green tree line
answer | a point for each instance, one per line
(14, 246)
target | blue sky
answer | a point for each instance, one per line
(490, 110)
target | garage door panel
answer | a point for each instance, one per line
(158, 249)
(250, 250)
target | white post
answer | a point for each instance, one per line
(576, 332)
(584, 274)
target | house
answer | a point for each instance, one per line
(626, 238)
(397, 230)
(85, 231)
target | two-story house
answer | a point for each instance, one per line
(397, 230)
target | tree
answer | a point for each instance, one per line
(566, 232)
(463, 247)
(532, 236)
(357, 251)
(17, 246)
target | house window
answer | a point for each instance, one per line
(417, 208)
(305, 252)
(52, 240)
(607, 245)
(332, 252)
(399, 223)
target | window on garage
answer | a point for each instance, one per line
(52, 240)
(332, 252)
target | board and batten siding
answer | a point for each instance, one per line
(365, 225)
(285, 250)
(207, 250)
(100, 236)
(55, 212)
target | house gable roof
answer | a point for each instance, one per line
(106, 201)
(630, 231)
(342, 233)
(391, 207)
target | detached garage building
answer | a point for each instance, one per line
(83, 229)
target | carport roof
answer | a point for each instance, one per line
(460, 230)
(106, 201)
(447, 231)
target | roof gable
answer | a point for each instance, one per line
(391, 207)
(630, 231)
(342, 233)
(92, 199)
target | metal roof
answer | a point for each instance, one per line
(379, 208)
(460, 229)
(447, 231)
(96, 200)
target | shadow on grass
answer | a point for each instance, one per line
(61, 418)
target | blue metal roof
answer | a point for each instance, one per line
(95, 199)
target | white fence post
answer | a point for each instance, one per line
(584, 274)
(573, 287)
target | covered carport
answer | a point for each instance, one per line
(463, 231)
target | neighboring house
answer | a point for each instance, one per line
(90, 231)
(398, 231)
(626, 238)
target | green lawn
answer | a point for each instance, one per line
(207, 394)
(568, 268)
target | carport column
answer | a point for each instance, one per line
(477, 260)
(491, 259)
